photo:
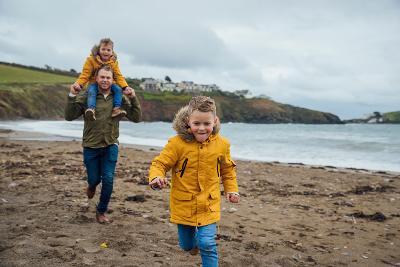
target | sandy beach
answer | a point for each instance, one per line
(289, 214)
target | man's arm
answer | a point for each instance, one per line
(76, 106)
(132, 107)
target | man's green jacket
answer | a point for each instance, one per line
(104, 131)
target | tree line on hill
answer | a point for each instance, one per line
(47, 68)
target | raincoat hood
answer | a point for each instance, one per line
(181, 126)
(95, 54)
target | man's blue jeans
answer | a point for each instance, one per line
(202, 237)
(100, 167)
(92, 94)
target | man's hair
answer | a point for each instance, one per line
(202, 104)
(105, 67)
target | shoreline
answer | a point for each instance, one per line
(289, 215)
(36, 136)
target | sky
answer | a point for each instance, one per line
(337, 56)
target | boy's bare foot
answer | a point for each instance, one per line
(102, 219)
(90, 115)
(90, 192)
(118, 113)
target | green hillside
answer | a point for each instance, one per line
(33, 93)
(391, 117)
(11, 74)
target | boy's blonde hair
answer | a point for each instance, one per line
(105, 41)
(181, 120)
(202, 104)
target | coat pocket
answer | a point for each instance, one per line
(182, 203)
(214, 201)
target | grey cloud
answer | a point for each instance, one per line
(335, 52)
(190, 47)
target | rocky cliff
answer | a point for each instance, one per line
(35, 101)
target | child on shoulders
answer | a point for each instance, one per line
(102, 54)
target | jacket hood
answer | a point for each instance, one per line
(95, 54)
(180, 124)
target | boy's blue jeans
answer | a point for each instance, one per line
(100, 166)
(92, 94)
(202, 237)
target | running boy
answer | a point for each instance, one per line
(102, 54)
(199, 158)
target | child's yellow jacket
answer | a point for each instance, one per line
(92, 64)
(197, 170)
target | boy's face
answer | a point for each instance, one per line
(106, 51)
(201, 124)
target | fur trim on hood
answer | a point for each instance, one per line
(95, 53)
(180, 124)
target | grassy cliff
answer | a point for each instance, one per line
(391, 117)
(36, 94)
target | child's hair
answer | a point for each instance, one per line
(181, 120)
(105, 41)
(202, 104)
(105, 67)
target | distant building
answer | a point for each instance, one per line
(375, 120)
(153, 85)
(168, 86)
(185, 86)
(150, 85)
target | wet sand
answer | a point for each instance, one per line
(289, 214)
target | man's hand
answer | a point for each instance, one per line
(129, 92)
(75, 88)
(159, 183)
(233, 197)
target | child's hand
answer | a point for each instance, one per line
(159, 183)
(129, 92)
(75, 88)
(233, 197)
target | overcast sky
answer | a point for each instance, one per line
(339, 56)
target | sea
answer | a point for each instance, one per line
(361, 146)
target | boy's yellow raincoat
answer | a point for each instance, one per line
(197, 169)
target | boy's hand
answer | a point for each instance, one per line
(75, 88)
(159, 183)
(233, 197)
(129, 92)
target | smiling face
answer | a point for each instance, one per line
(104, 80)
(201, 124)
(105, 51)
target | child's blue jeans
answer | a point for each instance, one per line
(92, 94)
(202, 237)
(100, 167)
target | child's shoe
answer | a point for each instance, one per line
(90, 192)
(89, 114)
(118, 113)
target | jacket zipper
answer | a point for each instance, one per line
(218, 167)
(183, 167)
